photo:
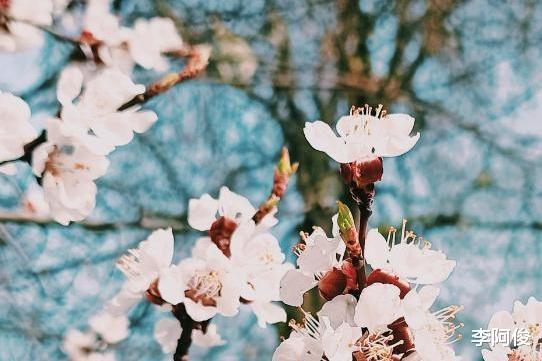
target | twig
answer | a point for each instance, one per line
(198, 59)
(187, 325)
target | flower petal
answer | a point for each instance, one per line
(377, 250)
(202, 212)
(293, 286)
(69, 85)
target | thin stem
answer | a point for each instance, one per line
(198, 59)
(364, 197)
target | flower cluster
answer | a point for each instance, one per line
(391, 316)
(238, 262)
(385, 315)
(525, 316)
(100, 104)
(74, 153)
(144, 44)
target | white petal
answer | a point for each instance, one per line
(339, 310)
(377, 250)
(171, 285)
(268, 312)
(340, 343)
(199, 312)
(159, 246)
(378, 306)
(210, 338)
(234, 206)
(69, 85)
(495, 355)
(112, 329)
(202, 212)
(167, 331)
(293, 286)
(321, 137)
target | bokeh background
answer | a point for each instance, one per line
(468, 71)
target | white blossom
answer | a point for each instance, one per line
(68, 171)
(207, 283)
(203, 211)
(209, 338)
(258, 255)
(149, 39)
(146, 263)
(524, 316)
(433, 332)
(21, 18)
(16, 129)
(316, 256)
(167, 332)
(363, 135)
(335, 336)
(112, 329)
(410, 259)
(103, 25)
(94, 119)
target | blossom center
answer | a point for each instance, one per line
(377, 347)
(204, 287)
(55, 166)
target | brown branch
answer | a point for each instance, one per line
(187, 325)
(198, 59)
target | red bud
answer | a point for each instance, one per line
(332, 284)
(220, 233)
(351, 275)
(362, 173)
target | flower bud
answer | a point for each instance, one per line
(332, 284)
(348, 231)
(351, 275)
(221, 231)
(379, 276)
(284, 170)
(362, 173)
